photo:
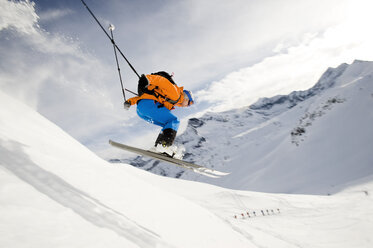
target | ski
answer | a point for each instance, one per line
(181, 163)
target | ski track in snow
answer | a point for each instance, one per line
(264, 124)
(14, 159)
(352, 82)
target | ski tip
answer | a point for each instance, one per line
(213, 173)
(221, 173)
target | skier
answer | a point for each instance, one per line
(158, 95)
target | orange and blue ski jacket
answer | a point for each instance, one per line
(160, 89)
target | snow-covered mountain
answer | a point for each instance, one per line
(315, 141)
(54, 192)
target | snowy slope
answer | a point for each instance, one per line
(54, 192)
(50, 183)
(312, 141)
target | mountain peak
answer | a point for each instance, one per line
(327, 80)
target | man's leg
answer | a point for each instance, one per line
(150, 111)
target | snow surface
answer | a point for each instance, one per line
(54, 192)
(316, 141)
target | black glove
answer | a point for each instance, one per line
(127, 105)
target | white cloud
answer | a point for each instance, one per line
(54, 14)
(200, 40)
(18, 15)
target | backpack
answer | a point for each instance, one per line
(165, 75)
(166, 89)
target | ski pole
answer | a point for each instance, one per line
(131, 92)
(112, 41)
(111, 28)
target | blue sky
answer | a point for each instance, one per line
(56, 59)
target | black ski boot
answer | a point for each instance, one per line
(166, 137)
(164, 144)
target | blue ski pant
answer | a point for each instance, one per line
(152, 112)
